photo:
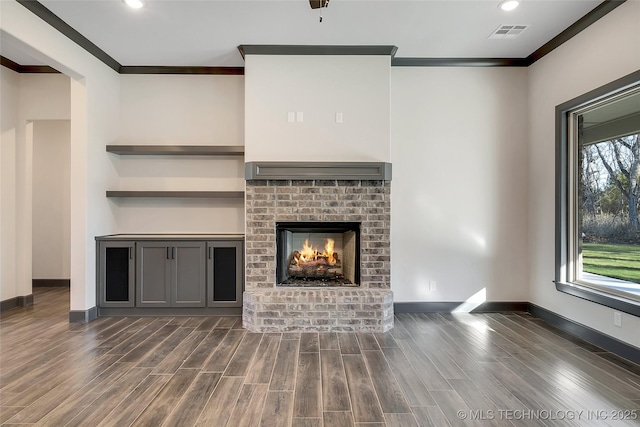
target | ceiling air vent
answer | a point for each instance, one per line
(508, 31)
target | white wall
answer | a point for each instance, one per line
(51, 199)
(180, 110)
(459, 187)
(41, 97)
(94, 99)
(9, 99)
(29, 97)
(319, 87)
(45, 97)
(606, 51)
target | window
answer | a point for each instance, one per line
(597, 195)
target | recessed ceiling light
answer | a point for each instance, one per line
(135, 4)
(509, 4)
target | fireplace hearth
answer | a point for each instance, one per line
(319, 254)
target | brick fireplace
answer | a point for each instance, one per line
(272, 198)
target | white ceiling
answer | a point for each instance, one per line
(207, 32)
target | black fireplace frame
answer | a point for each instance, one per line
(312, 227)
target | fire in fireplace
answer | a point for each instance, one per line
(318, 253)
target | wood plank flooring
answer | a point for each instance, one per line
(430, 370)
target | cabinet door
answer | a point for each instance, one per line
(153, 274)
(188, 270)
(225, 276)
(116, 274)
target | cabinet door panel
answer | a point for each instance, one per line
(116, 274)
(188, 274)
(225, 276)
(153, 278)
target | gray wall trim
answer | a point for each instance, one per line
(27, 69)
(26, 300)
(593, 336)
(576, 28)
(170, 311)
(49, 283)
(38, 69)
(603, 91)
(45, 14)
(363, 171)
(459, 62)
(221, 71)
(83, 316)
(449, 306)
(255, 49)
(607, 342)
(6, 62)
(15, 302)
(608, 300)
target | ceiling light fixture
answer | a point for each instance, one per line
(135, 4)
(319, 4)
(509, 5)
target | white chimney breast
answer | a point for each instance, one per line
(319, 85)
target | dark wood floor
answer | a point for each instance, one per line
(431, 370)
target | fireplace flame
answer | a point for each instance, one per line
(309, 253)
(328, 251)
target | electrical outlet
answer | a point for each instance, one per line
(291, 116)
(617, 319)
(432, 285)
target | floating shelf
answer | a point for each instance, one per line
(180, 194)
(177, 150)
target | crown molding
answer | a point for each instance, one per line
(6, 62)
(52, 19)
(227, 71)
(576, 28)
(459, 62)
(45, 14)
(42, 69)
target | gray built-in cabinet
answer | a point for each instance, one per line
(170, 274)
(188, 275)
